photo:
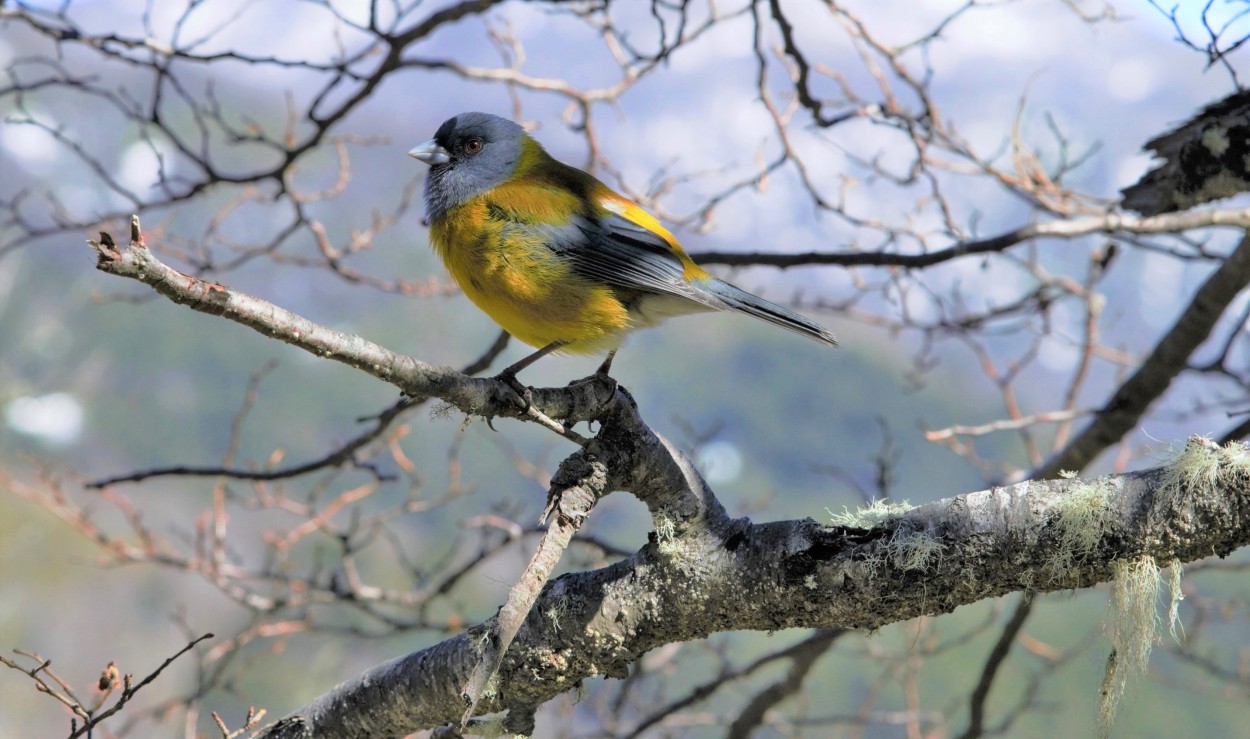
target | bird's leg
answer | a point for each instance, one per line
(607, 364)
(509, 374)
(601, 375)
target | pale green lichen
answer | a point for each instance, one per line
(914, 550)
(666, 536)
(1174, 602)
(873, 561)
(1135, 618)
(878, 512)
(491, 688)
(1198, 468)
(906, 550)
(1080, 520)
(1195, 468)
(1111, 686)
(481, 640)
(1133, 628)
(555, 613)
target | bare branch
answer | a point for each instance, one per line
(1156, 373)
(486, 398)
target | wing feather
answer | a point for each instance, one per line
(615, 251)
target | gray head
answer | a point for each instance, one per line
(469, 154)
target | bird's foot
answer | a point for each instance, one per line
(524, 393)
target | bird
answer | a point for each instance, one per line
(554, 256)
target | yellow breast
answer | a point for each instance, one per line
(518, 281)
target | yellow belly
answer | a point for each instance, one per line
(524, 286)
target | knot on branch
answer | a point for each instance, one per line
(578, 484)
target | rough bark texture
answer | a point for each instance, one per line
(731, 574)
(1204, 159)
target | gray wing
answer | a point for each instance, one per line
(620, 253)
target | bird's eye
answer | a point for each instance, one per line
(473, 145)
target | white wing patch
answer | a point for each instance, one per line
(613, 206)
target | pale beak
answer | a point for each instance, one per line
(430, 153)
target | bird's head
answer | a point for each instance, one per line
(469, 154)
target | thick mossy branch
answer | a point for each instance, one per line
(711, 573)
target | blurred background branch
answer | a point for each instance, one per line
(939, 180)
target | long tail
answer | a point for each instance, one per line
(741, 300)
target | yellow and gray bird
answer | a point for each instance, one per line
(553, 255)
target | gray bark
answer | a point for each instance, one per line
(723, 574)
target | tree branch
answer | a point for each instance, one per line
(998, 655)
(579, 483)
(345, 454)
(1169, 359)
(419, 380)
(732, 574)
(1070, 228)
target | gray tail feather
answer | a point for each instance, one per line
(741, 300)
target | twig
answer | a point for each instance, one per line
(976, 702)
(1070, 228)
(90, 717)
(1006, 424)
(419, 380)
(577, 485)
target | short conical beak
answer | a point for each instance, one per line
(430, 153)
